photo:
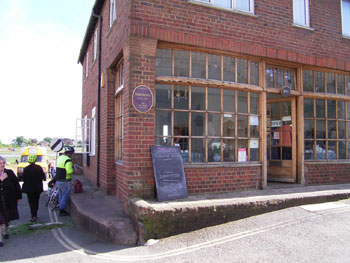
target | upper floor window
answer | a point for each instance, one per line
(112, 12)
(345, 16)
(87, 65)
(301, 12)
(241, 5)
(95, 45)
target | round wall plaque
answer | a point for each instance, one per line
(142, 99)
(285, 91)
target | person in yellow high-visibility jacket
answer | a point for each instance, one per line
(64, 171)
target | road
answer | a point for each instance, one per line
(301, 234)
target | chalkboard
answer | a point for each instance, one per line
(169, 173)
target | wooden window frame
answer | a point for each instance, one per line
(274, 67)
(119, 112)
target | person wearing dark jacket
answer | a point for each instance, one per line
(33, 177)
(10, 193)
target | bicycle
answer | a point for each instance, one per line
(52, 201)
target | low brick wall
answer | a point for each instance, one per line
(328, 173)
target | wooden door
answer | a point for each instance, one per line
(281, 140)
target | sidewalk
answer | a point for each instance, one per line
(103, 215)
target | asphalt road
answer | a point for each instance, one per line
(309, 234)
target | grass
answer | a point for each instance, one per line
(24, 229)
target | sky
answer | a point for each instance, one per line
(40, 79)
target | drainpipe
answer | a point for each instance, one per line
(98, 97)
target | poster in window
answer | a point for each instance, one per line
(254, 121)
(242, 154)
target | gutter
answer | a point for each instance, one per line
(98, 98)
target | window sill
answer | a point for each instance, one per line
(220, 164)
(345, 37)
(119, 163)
(222, 8)
(327, 162)
(302, 27)
(92, 154)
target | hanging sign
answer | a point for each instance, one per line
(56, 145)
(142, 99)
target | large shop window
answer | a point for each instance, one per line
(119, 116)
(208, 124)
(326, 82)
(280, 77)
(326, 129)
(184, 63)
(240, 5)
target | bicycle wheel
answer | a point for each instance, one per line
(53, 201)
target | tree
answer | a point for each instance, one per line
(47, 139)
(33, 141)
(20, 141)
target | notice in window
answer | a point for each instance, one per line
(254, 121)
(276, 135)
(242, 154)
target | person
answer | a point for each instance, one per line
(10, 193)
(64, 171)
(33, 177)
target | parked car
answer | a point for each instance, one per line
(42, 160)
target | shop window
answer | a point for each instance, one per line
(280, 77)
(112, 12)
(326, 129)
(345, 15)
(216, 125)
(119, 116)
(183, 63)
(329, 82)
(301, 12)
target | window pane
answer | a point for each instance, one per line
(332, 150)
(242, 71)
(243, 5)
(181, 63)
(330, 83)
(319, 81)
(345, 15)
(341, 110)
(348, 86)
(164, 62)
(181, 97)
(229, 69)
(308, 129)
(332, 130)
(276, 109)
(229, 125)
(320, 150)
(254, 127)
(163, 96)
(275, 153)
(341, 130)
(342, 150)
(198, 65)
(198, 150)
(214, 150)
(320, 108)
(320, 129)
(214, 124)
(198, 123)
(331, 109)
(183, 144)
(269, 78)
(286, 153)
(299, 12)
(242, 102)
(214, 67)
(308, 108)
(254, 103)
(163, 141)
(340, 84)
(309, 150)
(254, 73)
(229, 100)
(214, 99)
(242, 147)
(229, 150)
(254, 150)
(308, 81)
(348, 110)
(180, 123)
(348, 124)
(198, 98)
(163, 123)
(242, 126)
(223, 3)
(279, 78)
(289, 76)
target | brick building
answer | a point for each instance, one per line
(251, 90)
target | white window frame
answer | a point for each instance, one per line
(87, 65)
(345, 30)
(82, 134)
(233, 4)
(307, 14)
(95, 45)
(93, 132)
(112, 12)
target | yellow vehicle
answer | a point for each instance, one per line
(42, 160)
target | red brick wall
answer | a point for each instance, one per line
(318, 173)
(269, 34)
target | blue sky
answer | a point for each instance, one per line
(41, 81)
